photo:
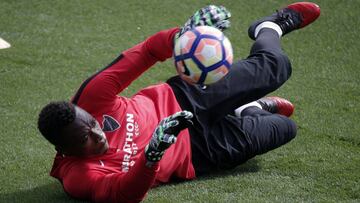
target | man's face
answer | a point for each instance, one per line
(83, 137)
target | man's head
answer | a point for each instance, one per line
(72, 130)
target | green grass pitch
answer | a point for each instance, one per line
(57, 44)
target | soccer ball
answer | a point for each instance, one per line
(203, 55)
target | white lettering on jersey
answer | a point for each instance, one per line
(130, 148)
(136, 129)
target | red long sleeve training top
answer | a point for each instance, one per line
(120, 175)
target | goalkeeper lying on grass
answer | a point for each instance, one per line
(114, 149)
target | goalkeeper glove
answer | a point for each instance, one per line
(166, 134)
(214, 16)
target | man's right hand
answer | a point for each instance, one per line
(166, 134)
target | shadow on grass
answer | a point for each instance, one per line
(51, 192)
(251, 166)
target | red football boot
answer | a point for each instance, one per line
(277, 105)
(292, 17)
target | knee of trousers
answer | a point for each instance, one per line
(283, 65)
(280, 59)
(291, 129)
(283, 60)
(277, 60)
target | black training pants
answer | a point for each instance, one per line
(220, 140)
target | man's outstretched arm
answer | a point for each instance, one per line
(101, 88)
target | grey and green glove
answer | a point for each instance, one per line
(214, 16)
(166, 134)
